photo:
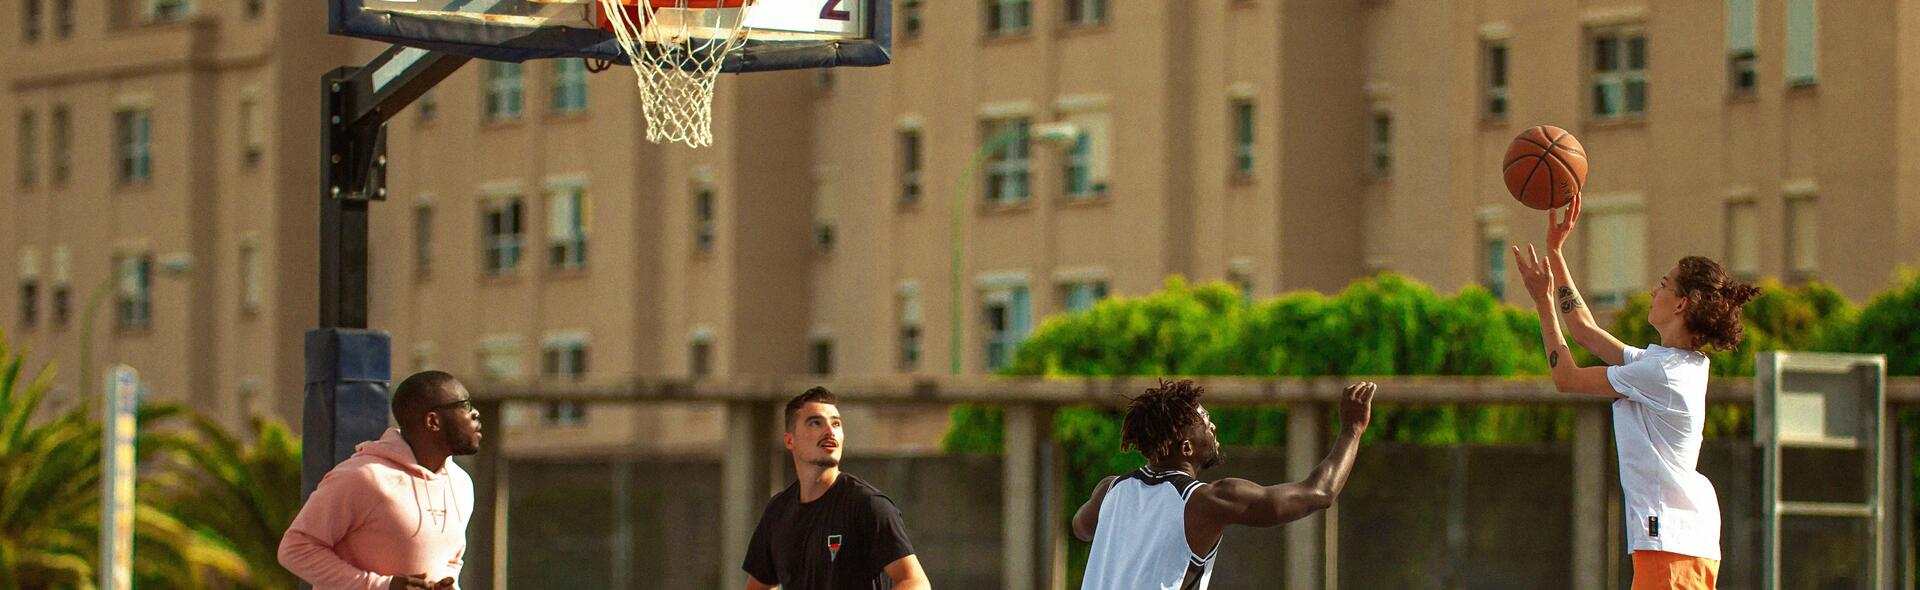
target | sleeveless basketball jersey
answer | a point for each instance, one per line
(1141, 539)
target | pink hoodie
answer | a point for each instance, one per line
(377, 515)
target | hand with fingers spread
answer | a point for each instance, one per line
(1356, 405)
(1558, 230)
(1535, 272)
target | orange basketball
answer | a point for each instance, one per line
(1545, 167)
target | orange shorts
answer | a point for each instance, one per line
(1660, 570)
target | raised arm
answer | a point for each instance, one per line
(1242, 502)
(1568, 376)
(1566, 297)
(1088, 517)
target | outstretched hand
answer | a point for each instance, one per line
(1535, 272)
(1558, 230)
(1356, 405)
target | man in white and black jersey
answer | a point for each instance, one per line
(1158, 527)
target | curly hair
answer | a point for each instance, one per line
(1714, 303)
(1156, 419)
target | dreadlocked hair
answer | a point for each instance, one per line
(1156, 418)
(1714, 303)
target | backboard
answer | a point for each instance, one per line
(784, 34)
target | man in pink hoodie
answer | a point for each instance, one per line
(395, 514)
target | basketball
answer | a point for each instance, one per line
(1545, 167)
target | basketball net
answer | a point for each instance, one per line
(676, 51)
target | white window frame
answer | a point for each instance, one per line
(251, 143)
(134, 302)
(1243, 120)
(1009, 170)
(29, 286)
(1495, 79)
(1085, 13)
(569, 86)
(1008, 291)
(503, 98)
(1803, 46)
(568, 214)
(1802, 230)
(1008, 17)
(910, 335)
(1743, 25)
(502, 251)
(133, 130)
(161, 11)
(911, 142)
(1621, 80)
(1087, 168)
(1741, 236)
(1616, 265)
(1490, 250)
(706, 209)
(1380, 142)
(60, 144)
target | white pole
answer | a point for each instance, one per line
(116, 493)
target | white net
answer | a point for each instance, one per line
(677, 49)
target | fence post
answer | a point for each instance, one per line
(744, 481)
(486, 558)
(1308, 538)
(1590, 498)
(1032, 544)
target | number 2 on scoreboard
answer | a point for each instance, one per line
(832, 11)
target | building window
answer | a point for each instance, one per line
(250, 141)
(502, 223)
(1087, 162)
(1242, 109)
(1242, 281)
(1493, 261)
(1007, 17)
(160, 11)
(909, 330)
(1619, 73)
(1086, 13)
(30, 21)
(1081, 295)
(500, 358)
(1803, 42)
(703, 215)
(60, 130)
(1616, 254)
(134, 129)
(29, 149)
(502, 90)
(565, 359)
(569, 86)
(567, 228)
(135, 300)
(63, 18)
(1008, 174)
(251, 290)
(423, 356)
(62, 291)
(1803, 236)
(427, 106)
(820, 356)
(1742, 243)
(1741, 57)
(700, 357)
(1008, 319)
(1496, 73)
(423, 240)
(1380, 163)
(29, 287)
(911, 18)
(910, 165)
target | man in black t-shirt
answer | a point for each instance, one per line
(829, 530)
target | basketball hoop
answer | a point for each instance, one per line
(676, 48)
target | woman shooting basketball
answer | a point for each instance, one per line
(1660, 400)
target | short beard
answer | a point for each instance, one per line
(1213, 461)
(458, 446)
(827, 461)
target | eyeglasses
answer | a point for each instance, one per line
(453, 404)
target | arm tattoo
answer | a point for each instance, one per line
(1553, 359)
(1569, 300)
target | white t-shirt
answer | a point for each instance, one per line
(1669, 506)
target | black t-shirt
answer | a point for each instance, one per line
(841, 541)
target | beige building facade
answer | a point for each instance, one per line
(532, 235)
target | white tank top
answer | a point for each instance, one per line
(1141, 539)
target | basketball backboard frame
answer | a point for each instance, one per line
(786, 34)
